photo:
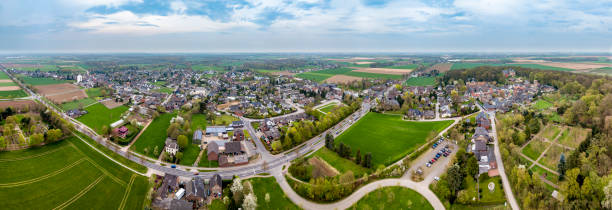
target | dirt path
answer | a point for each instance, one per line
(137, 136)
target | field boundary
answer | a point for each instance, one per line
(31, 156)
(127, 192)
(105, 155)
(80, 194)
(43, 177)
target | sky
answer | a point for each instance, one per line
(306, 26)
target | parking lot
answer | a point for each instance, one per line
(433, 162)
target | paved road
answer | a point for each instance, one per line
(500, 165)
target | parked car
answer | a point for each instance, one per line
(436, 178)
(173, 166)
(428, 165)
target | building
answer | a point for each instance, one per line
(197, 137)
(172, 147)
(216, 130)
(238, 135)
(121, 132)
(237, 124)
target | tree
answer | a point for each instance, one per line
(250, 202)
(178, 156)
(276, 145)
(267, 198)
(236, 189)
(36, 139)
(105, 130)
(367, 160)
(329, 141)
(454, 178)
(2, 142)
(173, 130)
(182, 141)
(607, 201)
(156, 151)
(561, 167)
(54, 135)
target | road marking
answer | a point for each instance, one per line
(80, 194)
(32, 156)
(127, 192)
(30, 181)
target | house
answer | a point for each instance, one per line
(483, 121)
(215, 187)
(212, 150)
(233, 148)
(480, 150)
(481, 133)
(237, 124)
(74, 113)
(121, 132)
(169, 186)
(429, 114)
(196, 191)
(238, 135)
(197, 137)
(172, 147)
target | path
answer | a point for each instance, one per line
(125, 148)
(500, 165)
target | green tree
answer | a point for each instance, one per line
(358, 157)
(36, 139)
(367, 160)
(182, 141)
(276, 145)
(561, 167)
(3, 143)
(54, 135)
(178, 157)
(454, 178)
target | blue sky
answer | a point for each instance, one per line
(305, 26)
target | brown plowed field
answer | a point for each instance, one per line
(383, 70)
(111, 104)
(60, 93)
(441, 67)
(342, 79)
(17, 104)
(283, 73)
(7, 88)
(322, 168)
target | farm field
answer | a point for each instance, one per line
(4, 75)
(42, 81)
(322, 75)
(573, 136)
(17, 103)
(98, 115)
(76, 104)
(93, 92)
(535, 148)
(394, 138)
(278, 199)
(342, 79)
(61, 93)
(343, 165)
(533, 66)
(13, 94)
(392, 71)
(408, 66)
(45, 178)
(541, 104)
(317, 77)
(421, 81)
(441, 67)
(198, 121)
(154, 135)
(605, 70)
(392, 198)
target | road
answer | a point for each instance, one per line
(500, 164)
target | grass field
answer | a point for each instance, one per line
(42, 81)
(533, 66)
(4, 75)
(497, 195)
(13, 94)
(46, 177)
(546, 174)
(535, 148)
(190, 154)
(551, 131)
(573, 136)
(421, 81)
(154, 135)
(93, 92)
(551, 159)
(388, 137)
(5, 84)
(392, 198)
(76, 104)
(224, 119)
(343, 165)
(327, 108)
(278, 199)
(198, 121)
(409, 66)
(98, 115)
(541, 104)
(319, 76)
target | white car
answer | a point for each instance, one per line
(428, 165)
(437, 178)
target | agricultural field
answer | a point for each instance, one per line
(198, 121)
(42, 81)
(13, 94)
(201, 67)
(61, 93)
(317, 77)
(392, 198)
(533, 66)
(572, 136)
(343, 165)
(4, 75)
(394, 138)
(341, 79)
(278, 199)
(391, 71)
(30, 67)
(541, 104)
(98, 116)
(77, 104)
(93, 92)
(535, 148)
(420, 81)
(44, 178)
(322, 75)
(408, 66)
(154, 136)
(605, 70)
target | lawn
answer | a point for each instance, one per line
(388, 137)
(573, 136)
(13, 94)
(78, 103)
(45, 178)
(535, 148)
(341, 164)
(421, 81)
(198, 121)
(495, 196)
(552, 156)
(328, 108)
(550, 132)
(224, 119)
(278, 199)
(393, 198)
(190, 154)
(42, 81)
(98, 116)
(204, 162)
(541, 104)
(154, 135)
(546, 174)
